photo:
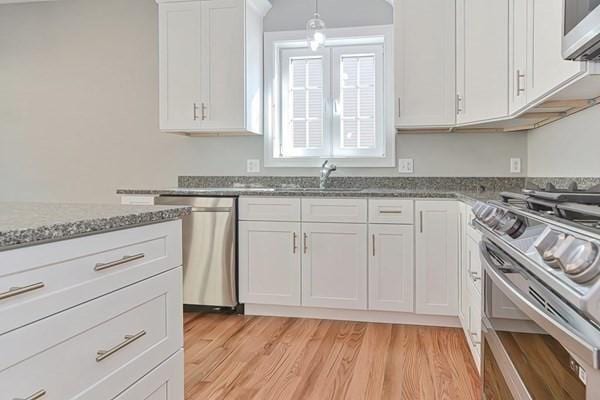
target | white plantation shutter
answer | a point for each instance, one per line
(332, 102)
(357, 97)
(304, 90)
(358, 89)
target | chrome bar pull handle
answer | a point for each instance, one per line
(196, 112)
(519, 77)
(390, 212)
(373, 238)
(294, 244)
(116, 263)
(16, 291)
(104, 354)
(305, 243)
(399, 107)
(204, 108)
(421, 221)
(458, 104)
(37, 395)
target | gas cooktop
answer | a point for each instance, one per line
(557, 241)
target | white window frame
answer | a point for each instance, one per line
(275, 43)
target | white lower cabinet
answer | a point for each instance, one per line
(269, 262)
(163, 383)
(436, 279)
(391, 267)
(105, 313)
(334, 265)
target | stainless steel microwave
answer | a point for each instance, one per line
(581, 30)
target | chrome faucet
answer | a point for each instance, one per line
(326, 170)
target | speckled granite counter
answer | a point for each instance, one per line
(466, 196)
(25, 224)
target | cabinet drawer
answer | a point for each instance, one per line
(97, 349)
(269, 209)
(59, 275)
(334, 210)
(164, 383)
(391, 211)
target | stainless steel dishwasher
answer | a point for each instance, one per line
(209, 250)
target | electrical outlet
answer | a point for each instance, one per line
(515, 165)
(253, 166)
(406, 166)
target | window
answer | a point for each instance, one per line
(330, 103)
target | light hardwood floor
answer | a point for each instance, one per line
(242, 357)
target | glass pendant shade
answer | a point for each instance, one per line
(315, 32)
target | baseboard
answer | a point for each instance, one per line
(352, 315)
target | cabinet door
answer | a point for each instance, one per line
(483, 62)
(425, 63)
(517, 54)
(463, 270)
(223, 58)
(334, 265)
(474, 262)
(391, 267)
(269, 262)
(547, 68)
(437, 258)
(180, 65)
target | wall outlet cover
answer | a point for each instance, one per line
(515, 165)
(253, 166)
(406, 166)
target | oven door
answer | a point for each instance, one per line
(581, 27)
(535, 346)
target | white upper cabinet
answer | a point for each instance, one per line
(437, 257)
(211, 66)
(425, 70)
(547, 70)
(482, 64)
(518, 26)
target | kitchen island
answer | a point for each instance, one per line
(90, 301)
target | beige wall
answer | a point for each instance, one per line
(567, 148)
(79, 111)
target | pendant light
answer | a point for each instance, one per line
(315, 30)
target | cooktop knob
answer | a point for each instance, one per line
(548, 244)
(511, 224)
(492, 216)
(579, 259)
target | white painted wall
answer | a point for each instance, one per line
(79, 108)
(567, 148)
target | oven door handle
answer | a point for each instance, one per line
(553, 327)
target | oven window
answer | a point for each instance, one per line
(546, 368)
(576, 11)
(494, 387)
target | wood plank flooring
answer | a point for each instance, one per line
(262, 358)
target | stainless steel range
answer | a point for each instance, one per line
(541, 257)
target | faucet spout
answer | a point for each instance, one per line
(326, 170)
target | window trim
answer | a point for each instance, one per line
(275, 42)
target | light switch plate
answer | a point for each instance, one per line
(253, 166)
(406, 166)
(515, 165)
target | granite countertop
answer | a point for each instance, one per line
(25, 224)
(466, 196)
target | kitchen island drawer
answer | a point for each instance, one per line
(97, 349)
(163, 383)
(42, 280)
(391, 211)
